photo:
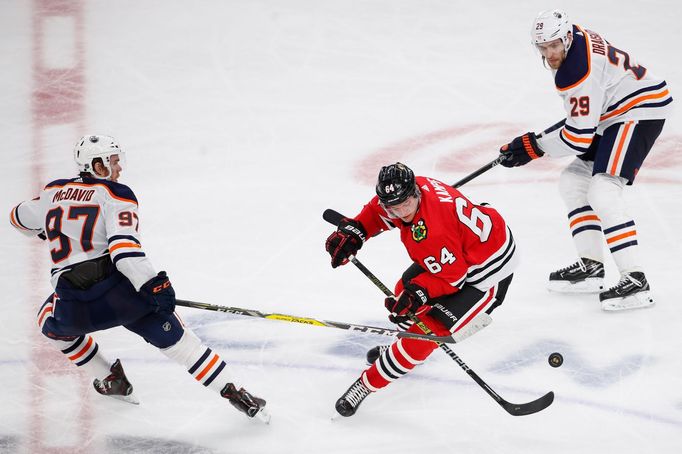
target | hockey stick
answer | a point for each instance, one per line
(314, 322)
(501, 158)
(528, 408)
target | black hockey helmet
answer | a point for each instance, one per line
(395, 184)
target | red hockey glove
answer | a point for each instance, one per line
(346, 241)
(411, 299)
(159, 292)
(521, 151)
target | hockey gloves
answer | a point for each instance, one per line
(411, 299)
(159, 292)
(346, 241)
(521, 151)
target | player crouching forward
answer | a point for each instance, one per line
(463, 258)
(103, 278)
(615, 111)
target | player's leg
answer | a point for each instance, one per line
(587, 274)
(166, 332)
(621, 154)
(80, 349)
(462, 313)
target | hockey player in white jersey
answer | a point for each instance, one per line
(615, 112)
(103, 278)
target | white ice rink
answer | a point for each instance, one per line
(244, 120)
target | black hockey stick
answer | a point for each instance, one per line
(501, 158)
(314, 322)
(528, 408)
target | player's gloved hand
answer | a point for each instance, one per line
(521, 150)
(159, 292)
(345, 241)
(411, 299)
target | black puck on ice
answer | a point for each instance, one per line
(555, 359)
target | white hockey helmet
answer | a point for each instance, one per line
(89, 148)
(550, 25)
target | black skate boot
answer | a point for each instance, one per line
(584, 276)
(631, 292)
(348, 404)
(116, 385)
(243, 401)
(375, 352)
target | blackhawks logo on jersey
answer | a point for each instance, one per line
(419, 231)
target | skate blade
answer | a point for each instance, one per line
(590, 285)
(130, 398)
(263, 416)
(639, 300)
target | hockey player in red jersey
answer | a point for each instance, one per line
(615, 111)
(463, 258)
(103, 278)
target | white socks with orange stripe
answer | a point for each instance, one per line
(200, 361)
(583, 222)
(606, 197)
(84, 352)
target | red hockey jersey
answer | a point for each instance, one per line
(454, 239)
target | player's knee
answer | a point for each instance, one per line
(184, 348)
(605, 193)
(571, 186)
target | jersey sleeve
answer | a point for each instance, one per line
(374, 219)
(27, 218)
(125, 246)
(583, 107)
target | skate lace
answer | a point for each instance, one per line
(357, 393)
(579, 264)
(627, 280)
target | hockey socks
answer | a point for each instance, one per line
(201, 362)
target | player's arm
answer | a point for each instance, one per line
(351, 233)
(28, 219)
(583, 110)
(125, 246)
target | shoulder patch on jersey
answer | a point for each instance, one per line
(576, 67)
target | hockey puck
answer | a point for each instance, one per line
(555, 359)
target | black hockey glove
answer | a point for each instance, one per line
(411, 299)
(346, 241)
(159, 292)
(521, 151)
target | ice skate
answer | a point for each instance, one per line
(116, 385)
(584, 276)
(375, 352)
(348, 404)
(631, 292)
(245, 402)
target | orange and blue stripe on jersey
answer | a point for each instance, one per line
(124, 246)
(15, 221)
(647, 97)
(577, 139)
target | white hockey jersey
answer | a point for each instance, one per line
(601, 85)
(84, 219)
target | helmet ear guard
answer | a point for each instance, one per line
(395, 184)
(93, 148)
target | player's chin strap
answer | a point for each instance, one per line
(334, 217)
(314, 322)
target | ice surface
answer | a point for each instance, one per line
(243, 121)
